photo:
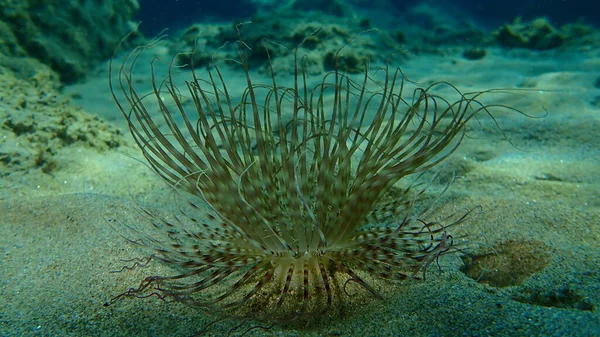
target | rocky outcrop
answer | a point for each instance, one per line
(69, 36)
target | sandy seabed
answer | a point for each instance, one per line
(540, 194)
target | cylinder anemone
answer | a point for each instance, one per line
(285, 184)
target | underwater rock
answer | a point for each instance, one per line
(581, 36)
(9, 44)
(537, 34)
(273, 38)
(352, 63)
(35, 123)
(70, 37)
(474, 53)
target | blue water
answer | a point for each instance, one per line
(158, 14)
